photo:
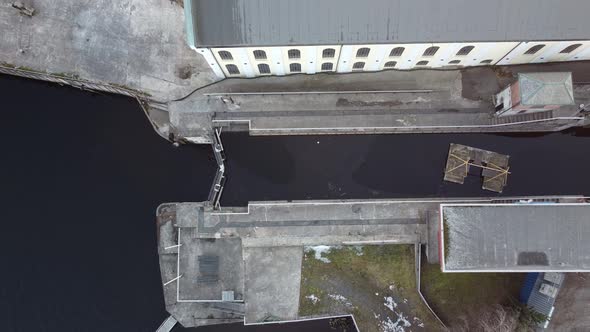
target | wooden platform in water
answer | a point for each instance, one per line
(494, 166)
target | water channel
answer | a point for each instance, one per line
(83, 173)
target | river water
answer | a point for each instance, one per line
(82, 175)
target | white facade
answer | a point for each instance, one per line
(279, 60)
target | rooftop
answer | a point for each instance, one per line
(309, 22)
(515, 237)
(546, 88)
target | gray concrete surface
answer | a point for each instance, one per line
(320, 222)
(230, 272)
(187, 313)
(522, 237)
(273, 277)
(138, 44)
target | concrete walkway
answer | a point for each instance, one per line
(167, 325)
(383, 102)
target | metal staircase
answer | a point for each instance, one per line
(534, 116)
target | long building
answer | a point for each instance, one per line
(249, 38)
(533, 237)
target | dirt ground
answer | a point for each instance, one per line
(572, 308)
(374, 283)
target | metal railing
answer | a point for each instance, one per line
(219, 180)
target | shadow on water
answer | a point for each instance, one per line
(82, 175)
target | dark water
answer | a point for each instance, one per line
(82, 175)
(397, 166)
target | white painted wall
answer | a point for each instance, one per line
(501, 53)
(240, 58)
(549, 53)
(213, 63)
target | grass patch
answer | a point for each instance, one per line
(359, 274)
(453, 295)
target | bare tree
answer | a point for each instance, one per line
(490, 319)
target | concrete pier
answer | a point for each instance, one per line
(425, 101)
(255, 253)
(136, 44)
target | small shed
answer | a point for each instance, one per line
(539, 292)
(535, 92)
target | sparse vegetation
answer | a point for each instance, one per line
(498, 318)
(7, 65)
(363, 276)
(457, 297)
(28, 69)
(66, 75)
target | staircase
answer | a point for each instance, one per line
(534, 116)
(167, 325)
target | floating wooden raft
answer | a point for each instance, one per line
(494, 166)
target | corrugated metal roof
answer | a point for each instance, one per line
(518, 237)
(546, 88)
(323, 22)
(540, 302)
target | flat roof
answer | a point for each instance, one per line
(515, 237)
(326, 22)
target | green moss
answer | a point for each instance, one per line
(7, 65)
(27, 68)
(66, 75)
(446, 237)
(123, 86)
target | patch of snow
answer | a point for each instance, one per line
(358, 250)
(405, 300)
(390, 303)
(377, 294)
(392, 287)
(314, 299)
(418, 322)
(337, 297)
(340, 298)
(319, 251)
(390, 326)
(404, 320)
(419, 100)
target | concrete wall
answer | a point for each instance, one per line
(379, 58)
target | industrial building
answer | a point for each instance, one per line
(249, 38)
(532, 237)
